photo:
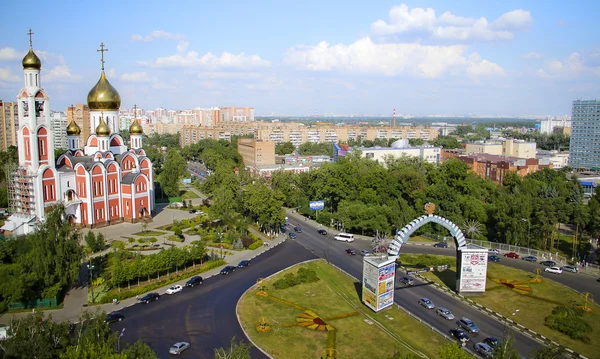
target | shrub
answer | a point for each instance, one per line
(141, 240)
(118, 244)
(247, 241)
(174, 239)
(130, 240)
(570, 322)
(177, 230)
(305, 275)
(152, 240)
(256, 245)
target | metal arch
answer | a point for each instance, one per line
(405, 233)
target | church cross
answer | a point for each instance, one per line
(102, 49)
(134, 112)
(30, 39)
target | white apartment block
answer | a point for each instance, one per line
(401, 148)
(503, 147)
(558, 159)
(548, 125)
(58, 125)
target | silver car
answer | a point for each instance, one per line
(569, 269)
(426, 303)
(177, 348)
(445, 313)
(484, 350)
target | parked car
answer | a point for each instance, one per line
(227, 270)
(441, 245)
(460, 335)
(548, 263)
(298, 229)
(292, 235)
(182, 237)
(351, 251)
(426, 303)
(511, 255)
(408, 280)
(530, 259)
(571, 269)
(364, 252)
(114, 317)
(194, 281)
(598, 280)
(468, 325)
(322, 232)
(484, 350)
(192, 211)
(493, 258)
(150, 297)
(555, 270)
(445, 313)
(493, 251)
(177, 348)
(492, 342)
(244, 263)
(174, 289)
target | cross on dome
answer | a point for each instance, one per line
(102, 50)
(30, 33)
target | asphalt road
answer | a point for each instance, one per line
(580, 282)
(408, 297)
(204, 316)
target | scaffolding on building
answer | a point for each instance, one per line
(20, 190)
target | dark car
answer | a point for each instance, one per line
(408, 280)
(468, 325)
(598, 280)
(227, 270)
(114, 317)
(292, 235)
(244, 263)
(530, 259)
(441, 245)
(511, 255)
(493, 342)
(460, 335)
(322, 232)
(548, 263)
(351, 251)
(493, 258)
(194, 281)
(298, 229)
(150, 297)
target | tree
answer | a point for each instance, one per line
(548, 352)
(507, 348)
(239, 350)
(284, 148)
(174, 169)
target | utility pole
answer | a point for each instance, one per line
(91, 267)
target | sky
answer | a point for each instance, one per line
(500, 58)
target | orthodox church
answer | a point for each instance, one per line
(100, 183)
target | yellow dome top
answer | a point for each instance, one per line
(102, 130)
(103, 96)
(136, 128)
(73, 129)
(31, 61)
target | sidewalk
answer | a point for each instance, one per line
(72, 302)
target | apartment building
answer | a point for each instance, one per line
(495, 167)
(256, 152)
(503, 147)
(236, 114)
(9, 124)
(549, 124)
(558, 159)
(80, 113)
(585, 135)
(58, 126)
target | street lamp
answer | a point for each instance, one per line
(528, 231)
(119, 340)
(90, 267)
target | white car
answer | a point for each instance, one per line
(445, 313)
(174, 289)
(177, 348)
(493, 251)
(555, 270)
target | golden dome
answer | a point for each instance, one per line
(73, 129)
(103, 96)
(102, 130)
(136, 128)
(31, 61)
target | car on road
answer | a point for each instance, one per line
(493, 258)
(548, 263)
(598, 280)
(441, 245)
(298, 229)
(530, 259)
(445, 313)
(194, 281)
(364, 252)
(178, 348)
(484, 350)
(493, 251)
(511, 255)
(426, 303)
(571, 269)
(322, 232)
(150, 297)
(468, 325)
(493, 342)
(227, 270)
(292, 235)
(244, 263)
(351, 251)
(174, 289)
(408, 280)
(555, 270)
(114, 317)
(460, 335)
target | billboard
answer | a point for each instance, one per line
(316, 205)
(473, 270)
(378, 282)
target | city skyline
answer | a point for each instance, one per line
(504, 59)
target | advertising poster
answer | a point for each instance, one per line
(385, 300)
(370, 277)
(386, 272)
(369, 299)
(473, 271)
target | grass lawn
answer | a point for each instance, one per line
(189, 195)
(334, 295)
(533, 307)
(148, 233)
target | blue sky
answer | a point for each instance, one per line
(295, 58)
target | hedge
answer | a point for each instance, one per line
(256, 245)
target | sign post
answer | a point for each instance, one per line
(379, 276)
(471, 269)
(316, 206)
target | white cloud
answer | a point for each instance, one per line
(365, 56)
(60, 73)
(7, 75)
(140, 77)
(9, 54)
(158, 35)
(532, 56)
(573, 66)
(449, 26)
(208, 60)
(111, 72)
(159, 85)
(478, 67)
(229, 75)
(182, 46)
(268, 84)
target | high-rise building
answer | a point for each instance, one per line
(58, 126)
(585, 135)
(9, 124)
(236, 114)
(81, 114)
(548, 125)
